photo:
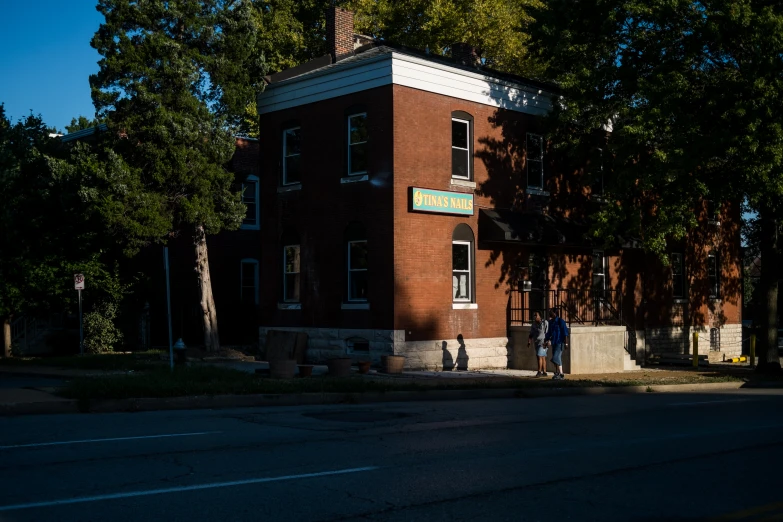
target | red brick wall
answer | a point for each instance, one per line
(323, 208)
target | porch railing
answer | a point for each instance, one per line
(580, 307)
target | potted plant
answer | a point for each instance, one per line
(282, 368)
(392, 363)
(305, 370)
(364, 367)
(339, 366)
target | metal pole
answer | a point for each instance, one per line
(168, 304)
(696, 350)
(81, 325)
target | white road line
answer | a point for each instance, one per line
(85, 441)
(709, 402)
(180, 489)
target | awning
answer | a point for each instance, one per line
(529, 228)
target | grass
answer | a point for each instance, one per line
(210, 380)
(109, 361)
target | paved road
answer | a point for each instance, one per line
(645, 457)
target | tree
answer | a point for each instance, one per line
(691, 90)
(175, 78)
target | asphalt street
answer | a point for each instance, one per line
(651, 457)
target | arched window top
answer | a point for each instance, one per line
(462, 232)
(462, 115)
(355, 231)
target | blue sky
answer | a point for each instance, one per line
(46, 58)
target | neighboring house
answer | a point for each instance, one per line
(406, 198)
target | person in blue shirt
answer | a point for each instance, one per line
(555, 337)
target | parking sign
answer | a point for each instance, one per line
(78, 281)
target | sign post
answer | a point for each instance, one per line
(78, 284)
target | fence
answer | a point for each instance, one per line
(594, 307)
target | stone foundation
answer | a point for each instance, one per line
(440, 354)
(658, 341)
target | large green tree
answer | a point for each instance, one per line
(175, 78)
(691, 91)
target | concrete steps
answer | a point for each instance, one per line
(629, 365)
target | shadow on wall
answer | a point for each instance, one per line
(462, 360)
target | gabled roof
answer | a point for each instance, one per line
(84, 133)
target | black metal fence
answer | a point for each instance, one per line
(593, 307)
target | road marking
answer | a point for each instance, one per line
(709, 402)
(85, 441)
(180, 489)
(752, 512)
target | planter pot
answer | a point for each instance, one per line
(392, 363)
(282, 369)
(340, 367)
(305, 370)
(364, 367)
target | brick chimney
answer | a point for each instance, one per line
(339, 32)
(465, 54)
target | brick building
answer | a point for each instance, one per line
(405, 198)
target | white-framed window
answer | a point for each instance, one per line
(292, 156)
(291, 273)
(599, 271)
(678, 275)
(460, 149)
(357, 144)
(713, 276)
(250, 199)
(461, 280)
(357, 271)
(248, 281)
(535, 161)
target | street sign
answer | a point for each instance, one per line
(78, 281)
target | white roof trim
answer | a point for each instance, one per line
(409, 71)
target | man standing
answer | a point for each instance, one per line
(555, 337)
(537, 335)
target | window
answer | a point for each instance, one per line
(357, 270)
(713, 212)
(460, 152)
(357, 344)
(535, 161)
(678, 275)
(713, 276)
(250, 199)
(357, 144)
(599, 271)
(597, 178)
(248, 282)
(292, 149)
(291, 273)
(462, 265)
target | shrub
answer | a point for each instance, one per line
(101, 335)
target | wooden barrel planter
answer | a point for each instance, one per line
(339, 367)
(282, 369)
(392, 363)
(364, 367)
(305, 370)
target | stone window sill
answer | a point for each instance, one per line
(355, 306)
(289, 306)
(354, 179)
(463, 183)
(715, 300)
(464, 306)
(289, 188)
(680, 300)
(537, 191)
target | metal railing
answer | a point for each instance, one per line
(593, 307)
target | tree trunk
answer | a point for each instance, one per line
(768, 336)
(7, 336)
(211, 338)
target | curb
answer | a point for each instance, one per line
(310, 399)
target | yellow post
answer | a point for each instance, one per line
(696, 350)
(752, 350)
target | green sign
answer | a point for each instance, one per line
(440, 201)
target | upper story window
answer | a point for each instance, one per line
(292, 152)
(678, 275)
(535, 161)
(713, 212)
(250, 199)
(357, 144)
(597, 168)
(357, 270)
(599, 271)
(461, 145)
(291, 270)
(248, 282)
(713, 276)
(462, 265)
